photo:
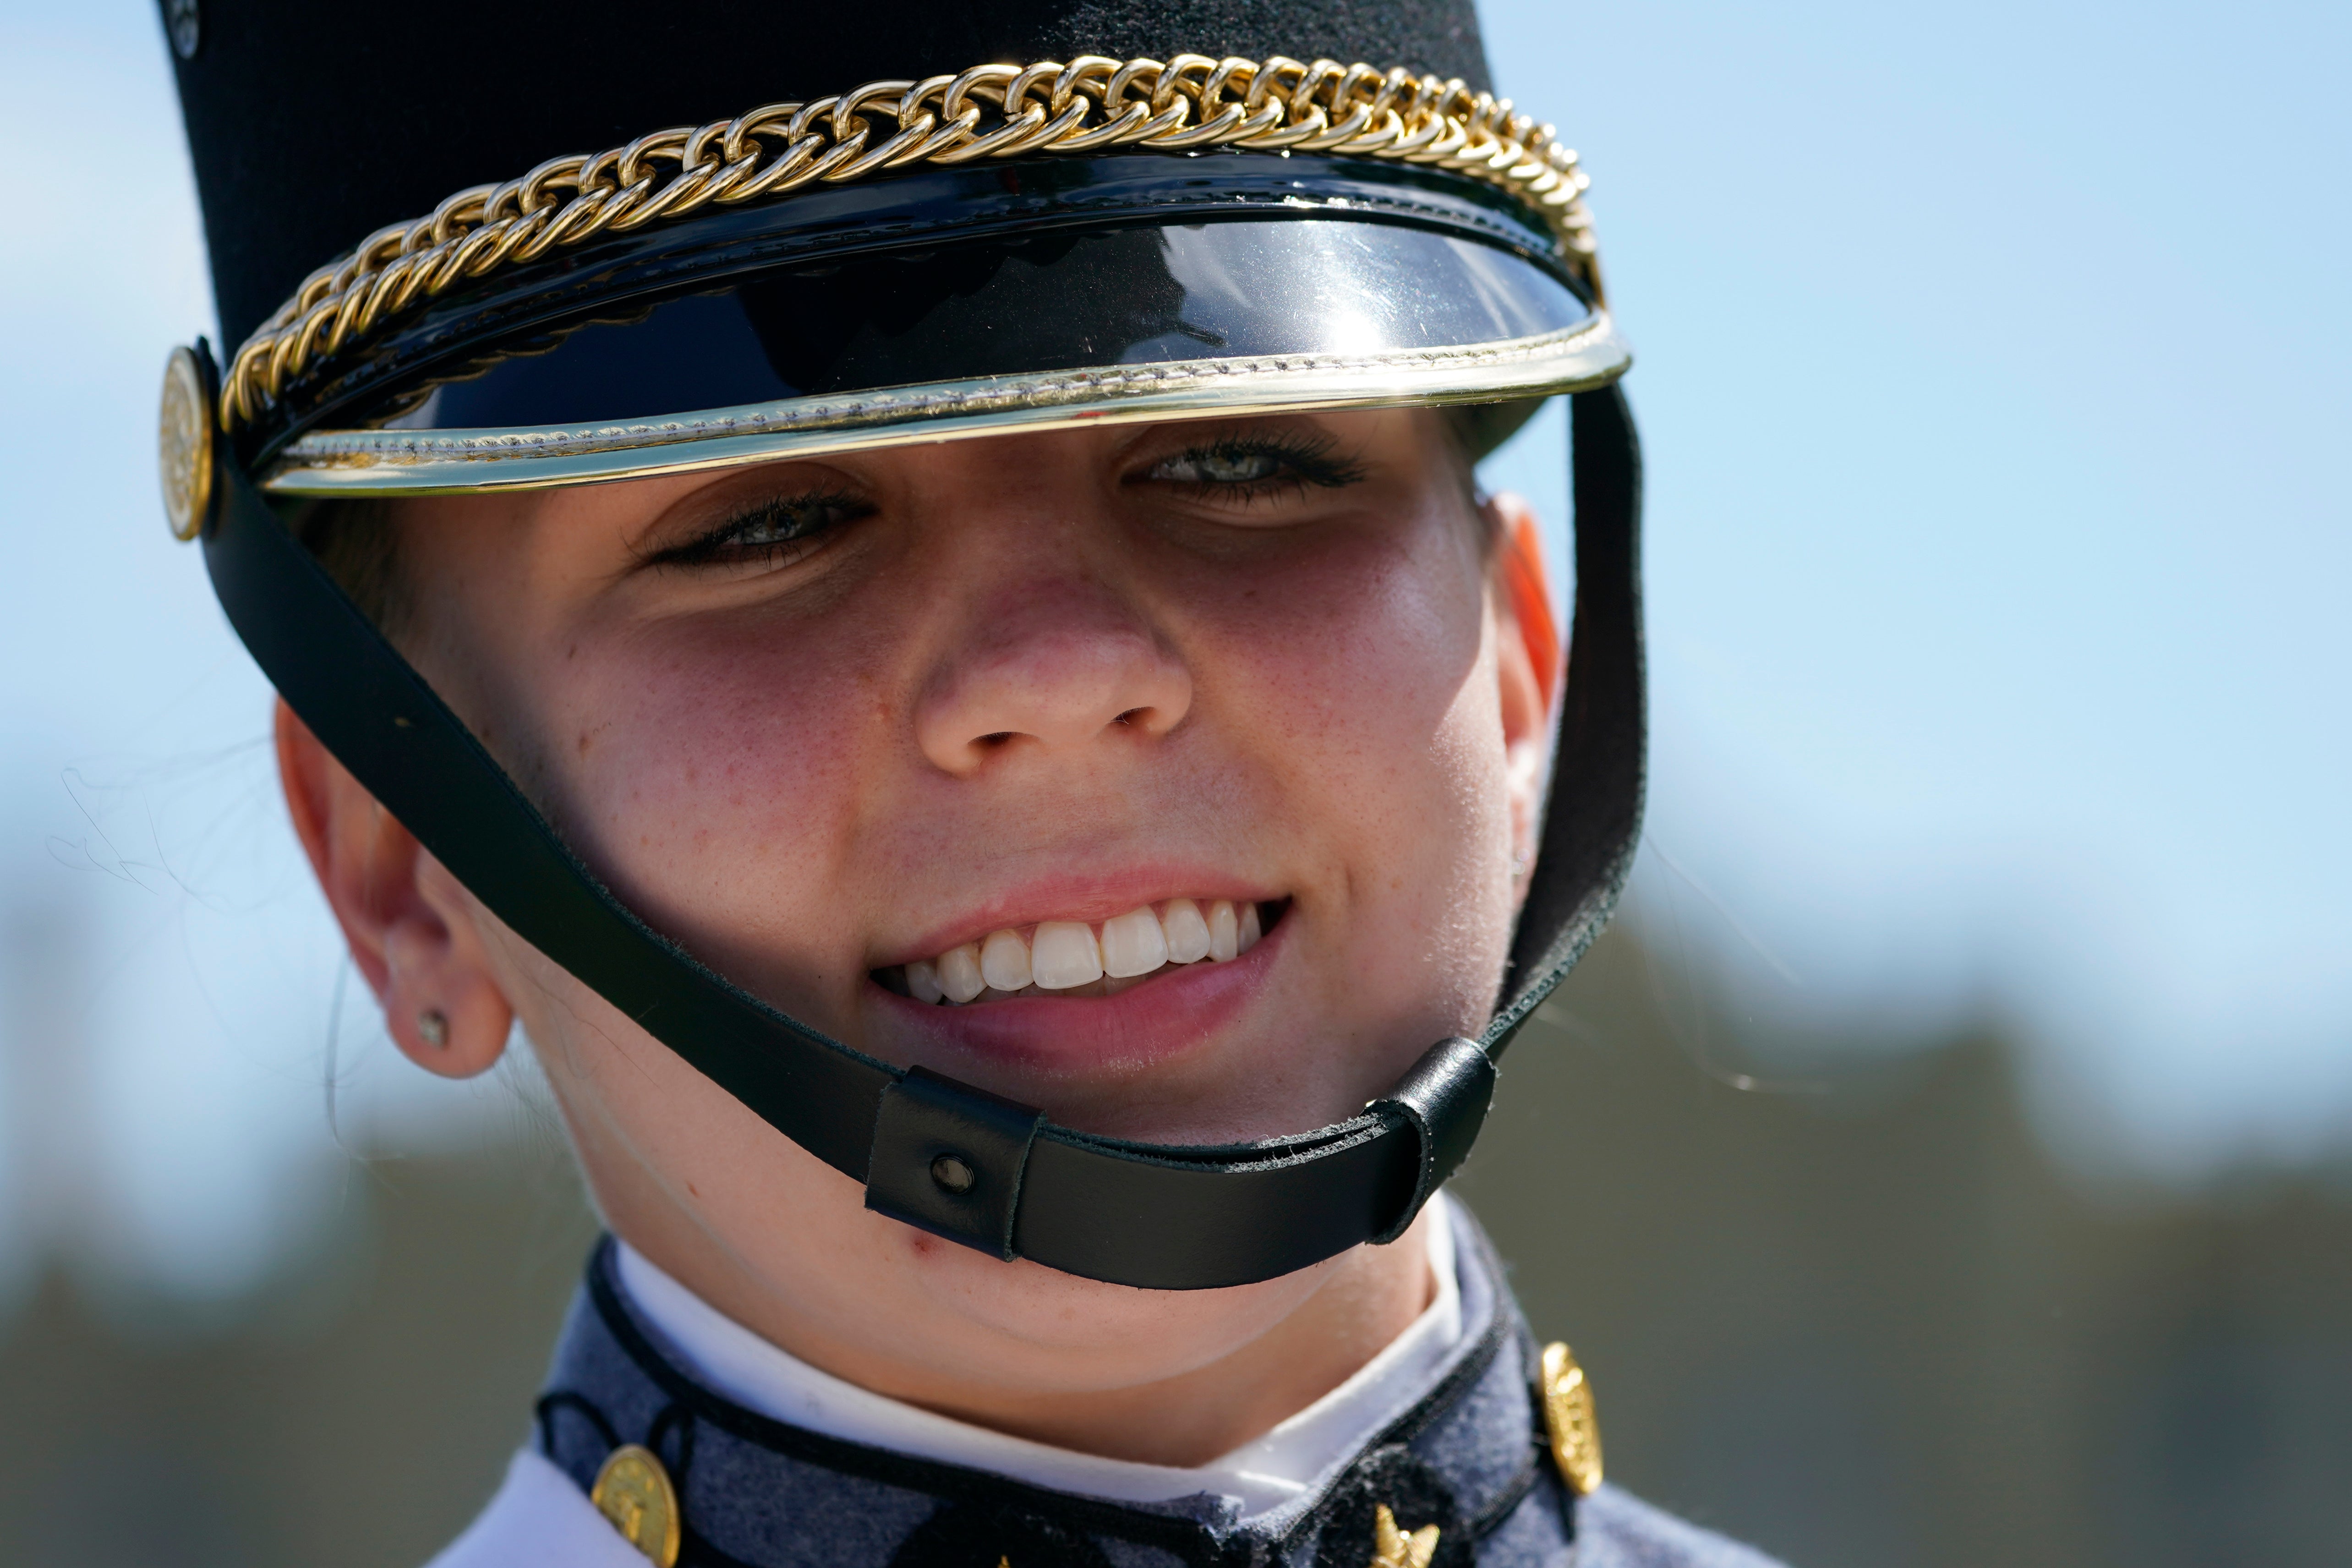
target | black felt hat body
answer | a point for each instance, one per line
(311, 126)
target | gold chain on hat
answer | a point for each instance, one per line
(989, 112)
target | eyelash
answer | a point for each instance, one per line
(1305, 461)
(722, 547)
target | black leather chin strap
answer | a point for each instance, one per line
(1592, 821)
(931, 1151)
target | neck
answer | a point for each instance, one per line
(1193, 1418)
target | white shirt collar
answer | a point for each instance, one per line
(1296, 1457)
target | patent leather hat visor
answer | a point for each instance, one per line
(1036, 298)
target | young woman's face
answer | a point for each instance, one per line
(840, 725)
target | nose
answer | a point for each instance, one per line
(1057, 667)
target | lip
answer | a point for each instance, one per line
(1092, 899)
(1175, 1010)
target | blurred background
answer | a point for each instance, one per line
(1947, 1160)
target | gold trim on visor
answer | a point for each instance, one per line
(1091, 104)
(450, 462)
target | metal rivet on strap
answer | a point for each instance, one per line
(952, 1174)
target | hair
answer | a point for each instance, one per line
(358, 542)
(1467, 440)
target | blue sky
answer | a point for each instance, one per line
(1992, 374)
(1992, 377)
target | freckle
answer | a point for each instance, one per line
(692, 1190)
(586, 739)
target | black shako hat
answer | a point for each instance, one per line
(505, 243)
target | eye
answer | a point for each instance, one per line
(1245, 467)
(777, 531)
(1220, 467)
(773, 525)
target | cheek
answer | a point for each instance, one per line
(1362, 653)
(1369, 680)
(1368, 685)
(713, 772)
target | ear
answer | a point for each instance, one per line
(1528, 665)
(410, 924)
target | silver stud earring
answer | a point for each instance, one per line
(434, 1024)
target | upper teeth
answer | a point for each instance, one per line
(1060, 955)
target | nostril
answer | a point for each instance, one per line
(1044, 690)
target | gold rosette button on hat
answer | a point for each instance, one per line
(183, 444)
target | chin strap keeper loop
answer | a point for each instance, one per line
(1445, 1096)
(949, 1158)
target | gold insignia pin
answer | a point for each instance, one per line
(633, 1490)
(1568, 1415)
(183, 444)
(1395, 1548)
